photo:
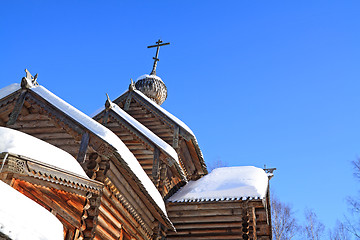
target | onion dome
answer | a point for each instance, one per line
(153, 87)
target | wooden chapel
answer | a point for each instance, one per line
(133, 171)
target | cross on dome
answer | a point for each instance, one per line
(156, 58)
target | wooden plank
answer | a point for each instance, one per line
(140, 157)
(205, 212)
(205, 219)
(180, 206)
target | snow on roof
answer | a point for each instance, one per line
(228, 183)
(144, 130)
(23, 144)
(9, 90)
(108, 136)
(23, 219)
(172, 117)
(148, 76)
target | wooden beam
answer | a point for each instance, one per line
(16, 111)
(156, 166)
(105, 118)
(128, 101)
(83, 147)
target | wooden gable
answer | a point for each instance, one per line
(125, 208)
(184, 142)
(160, 166)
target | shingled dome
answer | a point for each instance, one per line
(153, 87)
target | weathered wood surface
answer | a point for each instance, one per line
(218, 220)
(51, 201)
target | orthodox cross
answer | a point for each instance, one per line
(156, 59)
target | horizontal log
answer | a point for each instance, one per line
(124, 137)
(143, 156)
(206, 212)
(34, 124)
(185, 226)
(205, 237)
(208, 232)
(34, 117)
(52, 136)
(206, 219)
(146, 162)
(143, 151)
(179, 206)
(134, 146)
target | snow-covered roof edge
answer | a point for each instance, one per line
(20, 143)
(225, 184)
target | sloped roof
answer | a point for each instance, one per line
(175, 120)
(17, 142)
(100, 131)
(146, 132)
(228, 183)
(26, 220)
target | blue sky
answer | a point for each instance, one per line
(258, 82)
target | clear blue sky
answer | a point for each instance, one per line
(258, 82)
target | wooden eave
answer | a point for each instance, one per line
(47, 175)
(187, 136)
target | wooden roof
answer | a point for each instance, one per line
(151, 151)
(25, 109)
(167, 127)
